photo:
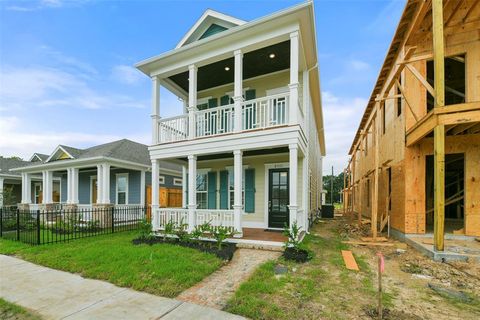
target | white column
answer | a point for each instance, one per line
(26, 188)
(294, 67)
(305, 193)
(184, 187)
(192, 190)
(155, 108)
(74, 194)
(192, 100)
(142, 188)
(100, 183)
(293, 148)
(237, 191)
(1, 191)
(238, 90)
(106, 183)
(155, 193)
(69, 185)
(47, 186)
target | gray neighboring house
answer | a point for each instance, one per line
(116, 173)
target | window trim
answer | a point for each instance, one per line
(117, 176)
(161, 179)
(177, 181)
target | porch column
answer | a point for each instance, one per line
(26, 188)
(142, 188)
(238, 90)
(192, 100)
(293, 148)
(99, 183)
(155, 108)
(155, 193)
(47, 181)
(305, 193)
(184, 187)
(106, 183)
(1, 191)
(237, 191)
(74, 195)
(294, 66)
(69, 185)
(192, 190)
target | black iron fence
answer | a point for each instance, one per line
(49, 226)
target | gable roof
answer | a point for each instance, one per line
(38, 157)
(210, 22)
(8, 163)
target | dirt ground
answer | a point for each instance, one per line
(420, 287)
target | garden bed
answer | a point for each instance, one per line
(225, 252)
(298, 255)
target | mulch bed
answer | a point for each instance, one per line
(298, 255)
(225, 253)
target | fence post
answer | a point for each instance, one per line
(38, 226)
(113, 222)
(1, 222)
(18, 224)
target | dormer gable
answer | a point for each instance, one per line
(60, 153)
(210, 23)
(36, 158)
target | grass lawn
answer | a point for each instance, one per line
(161, 269)
(10, 311)
(319, 289)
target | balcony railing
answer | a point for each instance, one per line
(178, 216)
(259, 113)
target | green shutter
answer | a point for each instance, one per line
(212, 103)
(249, 190)
(212, 190)
(250, 94)
(224, 189)
(224, 100)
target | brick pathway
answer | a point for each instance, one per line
(215, 290)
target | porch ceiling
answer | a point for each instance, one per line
(245, 154)
(255, 63)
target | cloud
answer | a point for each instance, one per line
(127, 74)
(359, 65)
(24, 88)
(341, 118)
(17, 140)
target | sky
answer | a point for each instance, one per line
(67, 75)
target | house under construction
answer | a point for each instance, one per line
(415, 159)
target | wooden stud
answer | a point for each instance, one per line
(375, 186)
(420, 78)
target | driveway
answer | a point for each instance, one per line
(61, 295)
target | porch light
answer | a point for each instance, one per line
(227, 68)
(271, 55)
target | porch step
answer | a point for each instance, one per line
(260, 245)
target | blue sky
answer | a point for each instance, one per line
(67, 76)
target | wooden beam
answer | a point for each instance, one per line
(422, 57)
(406, 100)
(439, 131)
(475, 129)
(461, 128)
(421, 129)
(375, 186)
(420, 78)
(458, 118)
(467, 14)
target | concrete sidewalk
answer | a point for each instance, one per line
(61, 295)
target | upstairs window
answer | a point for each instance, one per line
(454, 81)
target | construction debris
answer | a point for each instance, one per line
(349, 260)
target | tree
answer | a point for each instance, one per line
(337, 187)
(8, 196)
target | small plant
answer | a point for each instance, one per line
(221, 233)
(182, 233)
(292, 236)
(145, 229)
(168, 229)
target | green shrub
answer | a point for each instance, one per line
(145, 230)
(221, 233)
(293, 239)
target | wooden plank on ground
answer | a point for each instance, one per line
(364, 243)
(349, 260)
(370, 239)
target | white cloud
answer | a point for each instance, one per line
(127, 74)
(359, 65)
(341, 120)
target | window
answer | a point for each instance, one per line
(122, 188)
(399, 102)
(368, 192)
(37, 193)
(162, 179)
(202, 190)
(177, 182)
(231, 187)
(454, 80)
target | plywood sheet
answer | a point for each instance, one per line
(349, 260)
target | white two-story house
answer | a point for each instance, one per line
(250, 136)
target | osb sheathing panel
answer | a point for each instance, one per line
(415, 182)
(397, 216)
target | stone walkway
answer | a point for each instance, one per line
(216, 289)
(61, 295)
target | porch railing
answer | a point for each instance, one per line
(173, 129)
(162, 216)
(265, 112)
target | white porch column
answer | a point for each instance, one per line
(184, 187)
(69, 185)
(74, 195)
(155, 108)
(100, 183)
(26, 188)
(305, 193)
(1, 191)
(142, 188)
(155, 193)
(192, 100)
(293, 182)
(238, 90)
(294, 67)
(106, 183)
(47, 181)
(237, 191)
(192, 190)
